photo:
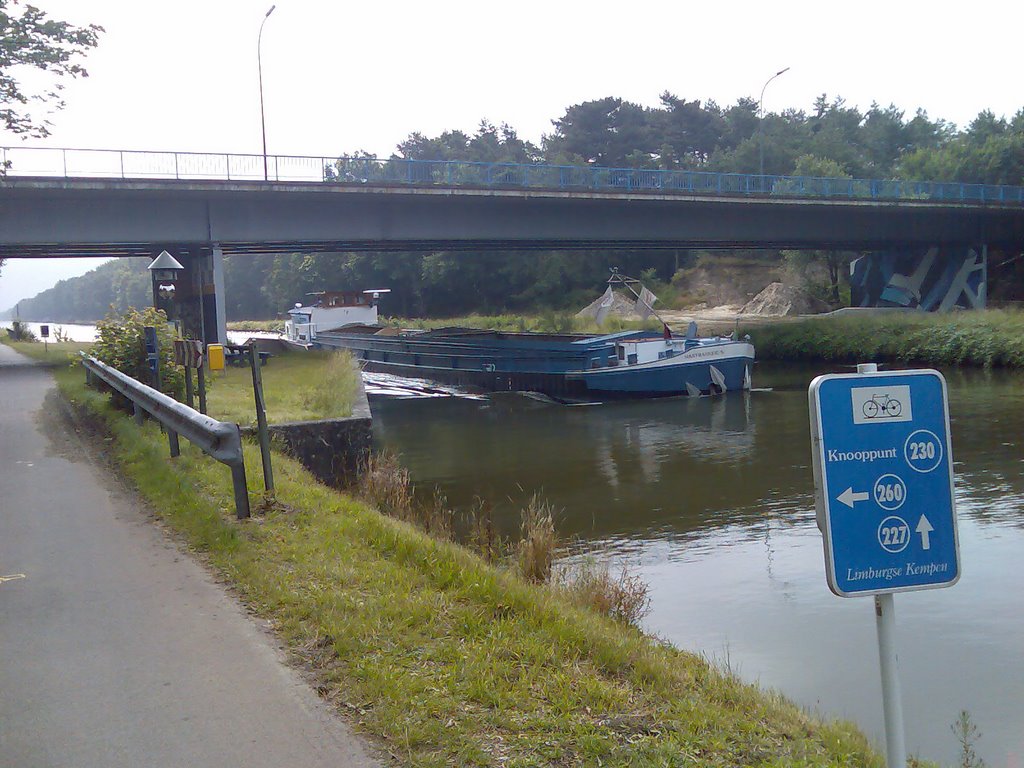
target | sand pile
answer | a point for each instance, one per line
(780, 299)
(622, 306)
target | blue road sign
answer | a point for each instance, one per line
(883, 478)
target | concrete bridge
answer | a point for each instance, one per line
(199, 207)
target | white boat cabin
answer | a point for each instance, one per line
(330, 310)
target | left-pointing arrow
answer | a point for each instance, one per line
(849, 497)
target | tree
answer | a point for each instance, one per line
(33, 40)
(604, 132)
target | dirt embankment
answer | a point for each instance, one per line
(720, 289)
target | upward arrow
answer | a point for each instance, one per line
(924, 528)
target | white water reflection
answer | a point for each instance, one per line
(87, 332)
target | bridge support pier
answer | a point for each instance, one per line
(934, 279)
(214, 317)
(199, 300)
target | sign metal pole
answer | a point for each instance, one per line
(892, 698)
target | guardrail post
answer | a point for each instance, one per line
(172, 441)
(138, 413)
(241, 491)
(189, 394)
(201, 382)
(261, 418)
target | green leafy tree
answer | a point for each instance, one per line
(31, 39)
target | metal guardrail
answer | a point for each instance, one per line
(131, 164)
(218, 439)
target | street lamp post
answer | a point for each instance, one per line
(259, 64)
(760, 118)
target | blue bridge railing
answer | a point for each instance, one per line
(130, 164)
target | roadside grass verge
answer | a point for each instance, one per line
(990, 338)
(297, 386)
(55, 353)
(443, 659)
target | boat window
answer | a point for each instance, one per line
(595, 362)
(621, 351)
(632, 359)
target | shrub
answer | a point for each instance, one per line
(121, 344)
(625, 597)
(21, 332)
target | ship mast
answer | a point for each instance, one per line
(624, 280)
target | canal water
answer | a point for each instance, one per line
(710, 501)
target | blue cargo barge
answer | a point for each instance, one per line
(630, 364)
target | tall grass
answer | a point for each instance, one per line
(482, 536)
(332, 388)
(297, 386)
(386, 484)
(990, 338)
(538, 541)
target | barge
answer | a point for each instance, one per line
(628, 364)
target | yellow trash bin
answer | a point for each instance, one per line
(215, 355)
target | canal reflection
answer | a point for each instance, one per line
(711, 502)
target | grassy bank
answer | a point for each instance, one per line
(549, 322)
(297, 386)
(269, 326)
(443, 659)
(993, 338)
(52, 353)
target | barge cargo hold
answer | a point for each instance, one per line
(630, 364)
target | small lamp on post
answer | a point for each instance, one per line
(165, 271)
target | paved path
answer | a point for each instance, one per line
(115, 648)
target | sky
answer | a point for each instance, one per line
(346, 76)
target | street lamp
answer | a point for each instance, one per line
(259, 64)
(760, 120)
